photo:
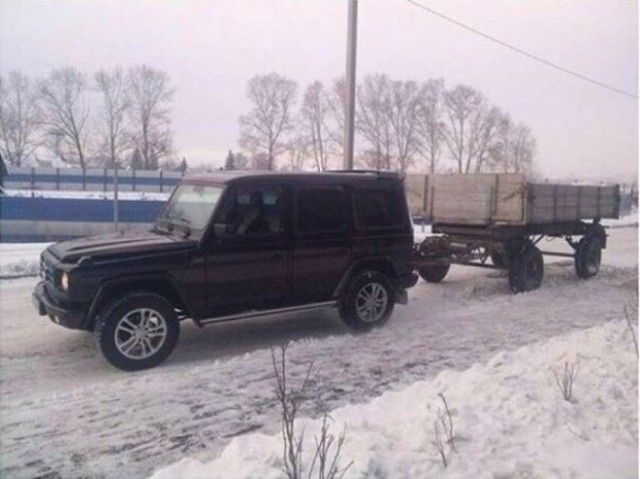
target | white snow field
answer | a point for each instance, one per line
(65, 412)
(509, 420)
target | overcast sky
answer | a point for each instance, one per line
(211, 49)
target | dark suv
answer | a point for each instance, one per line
(232, 246)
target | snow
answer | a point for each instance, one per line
(509, 417)
(66, 412)
(20, 259)
(627, 220)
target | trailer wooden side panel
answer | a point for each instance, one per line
(476, 199)
(549, 203)
(508, 199)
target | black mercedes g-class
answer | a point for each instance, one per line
(232, 246)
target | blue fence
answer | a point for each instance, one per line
(25, 219)
(66, 209)
(74, 179)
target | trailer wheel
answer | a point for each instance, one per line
(588, 257)
(434, 273)
(526, 270)
(498, 260)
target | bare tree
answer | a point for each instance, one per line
(289, 399)
(430, 129)
(265, 128)
(373, 120)
(19, 119)
(463, 107)
(112, 87)
(150, 95)
(298, 151)
(337, 100)
(514, 148)
(565, 383)
(405, 101)
(65, 113)
(315, 113)
(485, 129)
(523, 149)
(260, 161)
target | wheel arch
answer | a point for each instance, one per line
(160, 284)
(383, 265)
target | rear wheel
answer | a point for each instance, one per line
(138, 331)
(434, 273)
(368, 302)
(526, 270)
(588, 257)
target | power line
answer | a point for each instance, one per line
(522, 52)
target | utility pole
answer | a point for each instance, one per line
(352, 35)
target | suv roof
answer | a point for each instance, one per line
(330, 177)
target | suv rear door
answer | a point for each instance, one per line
(321, 251)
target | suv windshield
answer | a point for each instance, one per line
(189, 207)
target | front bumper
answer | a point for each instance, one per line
(72, 318)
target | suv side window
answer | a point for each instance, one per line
(254, 211)
(320, 210)
(377, 209)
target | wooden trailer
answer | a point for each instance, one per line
(497, 221)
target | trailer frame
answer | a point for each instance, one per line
(513, 248)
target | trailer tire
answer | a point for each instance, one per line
(498, 259)
(588, 257)
(526, 270)
(434, 273)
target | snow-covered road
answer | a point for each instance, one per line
(66, 412)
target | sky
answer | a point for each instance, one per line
(212, 48)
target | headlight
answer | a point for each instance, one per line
(64, 281)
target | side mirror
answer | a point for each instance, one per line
(221, 230)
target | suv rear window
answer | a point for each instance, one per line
(377, 209)
(320, 210)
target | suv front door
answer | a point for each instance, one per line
(247, 268)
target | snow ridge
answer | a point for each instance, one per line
(509, 417)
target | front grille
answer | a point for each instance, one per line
(47, 272)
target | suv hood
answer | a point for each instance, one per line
(114, 245)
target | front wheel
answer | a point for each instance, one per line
(138, 331)
(368, 302)
(526, 270)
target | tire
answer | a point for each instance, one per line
(368, 302)
(137, 331)
(588, 257)
(498, 260)
(434, 273)
(526, 270)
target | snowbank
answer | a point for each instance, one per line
(509, 418)
(20, 259)
(624, 221)
(93, 195)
